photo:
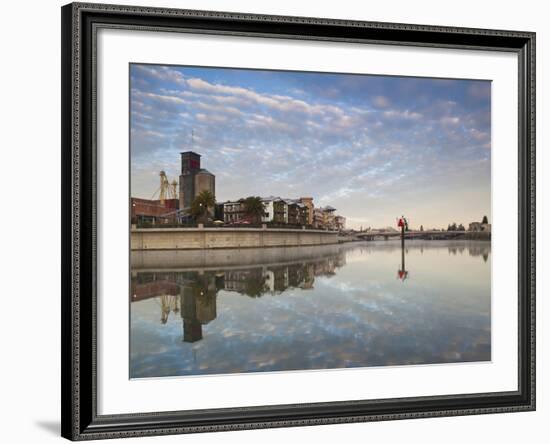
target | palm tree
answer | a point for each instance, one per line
(254, 208)
(201, 204)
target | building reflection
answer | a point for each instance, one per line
(473, 250)
(198, 304)
(193, 294)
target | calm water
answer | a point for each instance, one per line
(351, 305)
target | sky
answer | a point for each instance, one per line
(373, 147)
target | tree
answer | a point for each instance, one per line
(254, 284)
(201, 204)
(485, 220)
(461, 228)
(254, 208)
(421, 227)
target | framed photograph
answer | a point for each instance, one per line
(282, 221)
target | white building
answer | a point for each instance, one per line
(276, 210)
(269, 210)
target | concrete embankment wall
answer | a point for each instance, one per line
(209, 238)
(230, 258)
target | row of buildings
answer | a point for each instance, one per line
(194, 179)
(283, 211)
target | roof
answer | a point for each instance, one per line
(204, 171)
(298, 204)
(190, 152)
(270, 198)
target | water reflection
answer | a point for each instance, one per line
(402, 273)
(194, 292)
(313, 307)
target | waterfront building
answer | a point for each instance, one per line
(474, 226)
(218, 212)
(269, 207)
(324, 218)
(478, 226)
(152, 211)
(318, 218)
(297, 212)
(275, 211)
(328, 217)
(340, 222)
(233, 211)
(194, 180)
(280, 211)
(308, 202)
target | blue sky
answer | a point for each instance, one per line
(374, 147)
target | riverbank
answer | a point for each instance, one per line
(222, 238)
(228, 259)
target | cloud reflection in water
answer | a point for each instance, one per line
(340, 306)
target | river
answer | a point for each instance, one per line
(336, 306)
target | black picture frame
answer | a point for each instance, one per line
(80, 22)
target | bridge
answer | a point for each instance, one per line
(427, 235)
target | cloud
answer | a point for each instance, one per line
(480, 90)
(281, 103)
(450, 120)
(381, 102)
(375, 142)
(403, 114)
(161, 98)
(161, 73)
(478, 135)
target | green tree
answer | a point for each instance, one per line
(461, 228)
(202, 203)
(421, 227)
(485, 220)
(254, 208)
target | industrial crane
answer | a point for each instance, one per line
(166, 190)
